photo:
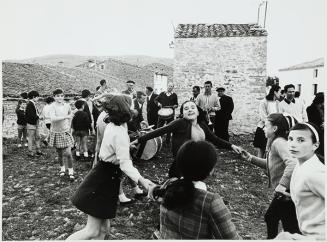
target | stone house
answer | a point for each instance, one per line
(307, 77)
(233, 56)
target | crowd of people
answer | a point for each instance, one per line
(289, 141)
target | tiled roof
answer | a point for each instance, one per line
(218, 30)
(306, 65)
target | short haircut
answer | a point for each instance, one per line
(220, 89)
(57, 91)
(85, 93)
(288, 86)
(149, 89)
(102, 82)
(79, 104)
(130, 81)
(24, 95)
(208, 82)
(49, 100)
(196, 87)
(33, 94)
(139, 94)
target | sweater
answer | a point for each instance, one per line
(182, 132)
(81, 121)
(308, 194)
(21, 119)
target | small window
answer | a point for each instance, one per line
(315, 89)
(315, 73)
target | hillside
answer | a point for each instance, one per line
(19, 78)
(75, 60)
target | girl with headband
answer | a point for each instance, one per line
(279, 165)
(308, 182)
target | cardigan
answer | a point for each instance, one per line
(31, 113)
(182, 132)
(308, 194)
(206, 218)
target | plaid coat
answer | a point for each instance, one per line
(206, 218)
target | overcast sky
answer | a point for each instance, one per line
(145, 27)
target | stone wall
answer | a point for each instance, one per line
(236, 63)
(9, 127)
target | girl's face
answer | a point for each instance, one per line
(22, 106)
(269, 129)
(300, 144)
(190, 111)
(278, 94)
(59, 98)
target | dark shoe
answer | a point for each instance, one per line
(45, 142)
(127, 203)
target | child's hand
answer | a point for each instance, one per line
(134, 143)
(245, 155)
(237, 149)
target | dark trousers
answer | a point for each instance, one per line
(282, 209)
(161, 123)
(221, 128)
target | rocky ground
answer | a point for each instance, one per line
(36, 202)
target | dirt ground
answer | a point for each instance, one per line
(36, 202)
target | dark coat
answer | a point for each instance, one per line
(227, 107)
(314, 115)
(152, 110)
(30, 114)
(181, 129)
(139, 118)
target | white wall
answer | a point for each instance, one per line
(306, 79)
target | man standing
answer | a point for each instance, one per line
(293, 106)
(151, 107)
(167, 99)
(208, 103)
(223, 115)
(130, 89)
(196, 92)
(138, 107)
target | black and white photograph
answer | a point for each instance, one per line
(162, 119)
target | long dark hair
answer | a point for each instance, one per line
(271, 94)
(283, 122)
(195, 160)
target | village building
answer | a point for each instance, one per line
(307, 77)
(233, 56)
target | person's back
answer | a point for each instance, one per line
(81, 121)
(207, 217)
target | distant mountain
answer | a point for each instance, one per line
(75, 60)
(143, 60)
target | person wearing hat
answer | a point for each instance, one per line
(223, 115)
(130, 89)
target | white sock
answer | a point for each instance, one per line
(86, 154)
(138, 190)
(62, 169)
(70, 171)
(77, 153)
(123, 198)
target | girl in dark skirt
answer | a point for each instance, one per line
(97, 196)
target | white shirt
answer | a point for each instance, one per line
(115, 149)
(297, 110)
(59, 110)
(308, 194)
(46, 114)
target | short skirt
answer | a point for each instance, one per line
(61, 140)
(97, 195)
(260, 140)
